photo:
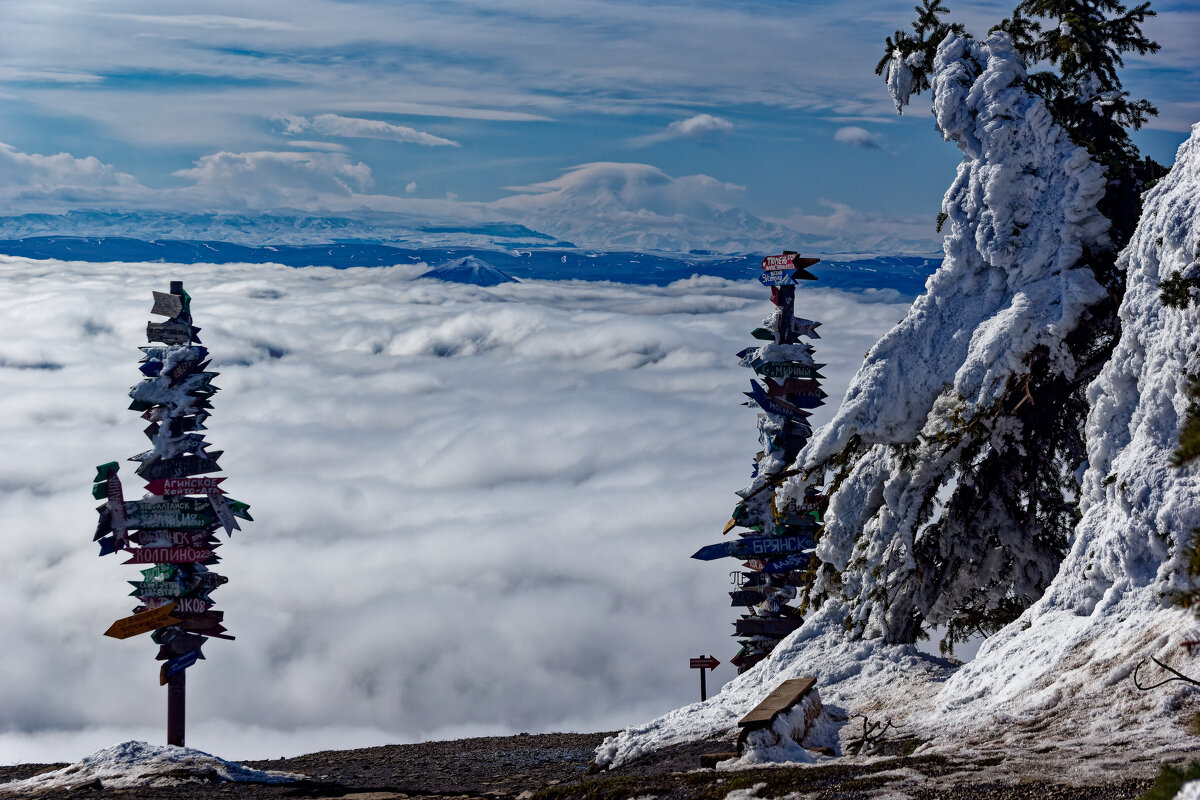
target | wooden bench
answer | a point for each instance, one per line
(783, 699)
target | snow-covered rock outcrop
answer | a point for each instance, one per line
(1023, 205)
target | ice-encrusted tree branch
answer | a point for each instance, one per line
(953, 455)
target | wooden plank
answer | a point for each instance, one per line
(786, 695)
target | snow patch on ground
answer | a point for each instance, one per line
(132, 764)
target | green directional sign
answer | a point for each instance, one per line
(186, 512)
(158, 589)
(160, 572)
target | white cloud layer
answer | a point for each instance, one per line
(474, 508)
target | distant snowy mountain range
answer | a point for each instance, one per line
(544, 259)
(565, 215)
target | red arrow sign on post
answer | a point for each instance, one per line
(703, 663)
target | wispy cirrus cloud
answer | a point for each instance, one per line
(359, 128)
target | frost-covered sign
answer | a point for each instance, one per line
(777, 543)
(172, 529)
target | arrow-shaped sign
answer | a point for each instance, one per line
(704, 662)
(182, 486)
(167, 305)
(789, 563)
(180, 467)
(772, 406)
(178, 664)
(788, 260)
(172, 332)
(788, 369)
(172, 555)
(144, 622)
(758, 626)
(756, 546)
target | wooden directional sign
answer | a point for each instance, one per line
(158, 589)
(180, 467)
(788, 260)
(772, 406)
(143, 623)
(171, 332)
(775, 278)
(704, 662)
(178, 664)
(167, 305)
(223, 512)
(152, 537)
(788, 369)
(178, 514)
(759, 626)
(792, 386)
(183, 606)
(757, 546)
(788, 563)
(182, 486)
(170, 555)
(745, 598)
(116, 510)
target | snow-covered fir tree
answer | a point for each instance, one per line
(955, 456)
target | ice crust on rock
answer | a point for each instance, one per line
(1062, 670)
(131, 764)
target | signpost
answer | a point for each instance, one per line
(703, 663)
(173, 530)
(142, 623)
(777, 544)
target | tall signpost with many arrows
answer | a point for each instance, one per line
(775, 544)
(172, 529)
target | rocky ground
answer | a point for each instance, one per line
(558, 766)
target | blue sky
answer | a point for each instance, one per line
(430, 107)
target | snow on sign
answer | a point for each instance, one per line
(777, 559)
(175, 526)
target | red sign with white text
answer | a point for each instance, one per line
(180, 486)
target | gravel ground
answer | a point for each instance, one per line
(557, 766)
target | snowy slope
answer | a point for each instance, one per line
(1062, 671)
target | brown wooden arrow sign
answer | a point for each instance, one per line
(144, 622)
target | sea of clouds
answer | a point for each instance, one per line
(474, 507)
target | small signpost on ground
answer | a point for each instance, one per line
(703, 663)
(172, 529)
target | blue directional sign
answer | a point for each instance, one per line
(780, 409)
(781, 277)
(756, 547)
(180, 663)
(791, 562)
